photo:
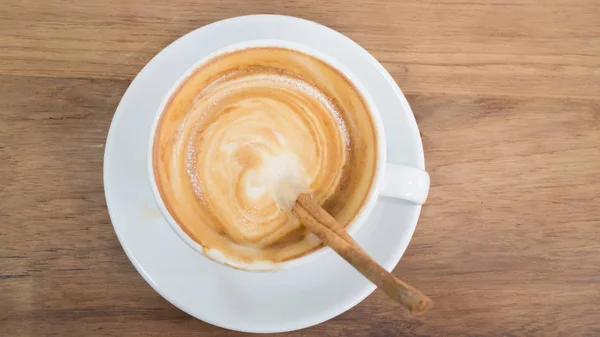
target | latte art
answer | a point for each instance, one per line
(241, 134)
(248, 132)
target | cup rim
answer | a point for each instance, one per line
(361, 216)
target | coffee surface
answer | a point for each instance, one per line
(248, 122)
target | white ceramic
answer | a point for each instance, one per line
(391, 180)
(254, 302)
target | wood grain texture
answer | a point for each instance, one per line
(506, 94)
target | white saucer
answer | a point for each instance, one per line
(233, 299)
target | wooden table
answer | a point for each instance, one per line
(507, 97)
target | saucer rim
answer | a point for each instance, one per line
(300, 324)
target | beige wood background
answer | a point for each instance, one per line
(506, 94)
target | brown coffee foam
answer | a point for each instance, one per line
(252, 97)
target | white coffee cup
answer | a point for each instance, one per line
(391, 180)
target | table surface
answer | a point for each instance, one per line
(506, 94)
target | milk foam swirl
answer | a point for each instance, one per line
(248, 123)
(246, 129)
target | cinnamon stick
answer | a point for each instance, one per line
(331, 233)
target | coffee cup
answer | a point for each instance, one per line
(386, 179)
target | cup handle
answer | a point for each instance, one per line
(405, 182)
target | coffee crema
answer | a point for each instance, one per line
(247, 121)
